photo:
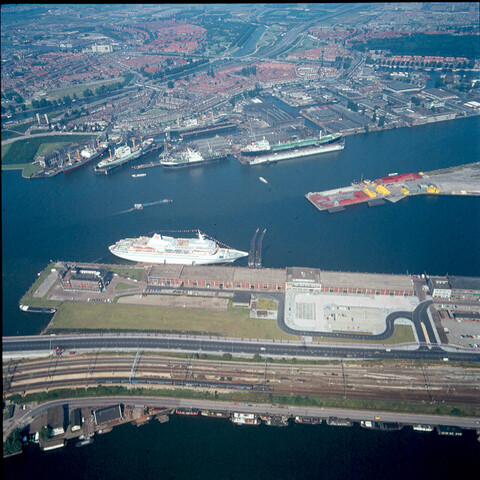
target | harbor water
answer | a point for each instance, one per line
(206, 448)
(75, 217)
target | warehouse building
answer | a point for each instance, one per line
(85, 279)
(108, 415)
(228, 277)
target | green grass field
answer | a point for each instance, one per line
(133, 273)
(25, 151)
(266, 304)
(79, 89)
(100, 316)
(124, 286)
(402, 334)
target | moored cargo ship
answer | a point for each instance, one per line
(87, 155)
(263, 152)
(191, 158)
(123, 155)
(163, 249)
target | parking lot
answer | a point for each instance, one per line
(342, 313)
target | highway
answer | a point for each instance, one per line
(208, 344)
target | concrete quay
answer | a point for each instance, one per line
(460, 180)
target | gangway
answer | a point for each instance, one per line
(251, 253)
(258, 255)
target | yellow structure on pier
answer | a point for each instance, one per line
(382, 190)
(370, 193)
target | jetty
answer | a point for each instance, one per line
(460, 180)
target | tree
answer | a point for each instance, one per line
(170, 84)
(257, 358)
(44, 433)
(13, 444)
(381, 121)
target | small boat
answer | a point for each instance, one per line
(262, 180)
(187, 411)
(135, 175)
(83, 443)
(394, 174)
(423, 428)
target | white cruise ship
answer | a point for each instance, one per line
(163, 249)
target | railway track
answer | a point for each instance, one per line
(455, 385)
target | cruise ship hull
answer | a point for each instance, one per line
(180, 259)
(300, 153)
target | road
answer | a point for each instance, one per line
(209, 344)
(355, 415)
(47, 134)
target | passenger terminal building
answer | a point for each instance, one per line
(455, 288)
(273, 279)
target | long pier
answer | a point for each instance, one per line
(460, 180)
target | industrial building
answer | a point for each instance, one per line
(85, 279)
(455, 288)
(108, 415)
(228, 277)
(270, 279)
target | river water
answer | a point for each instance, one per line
(76, 217)
(206, 448)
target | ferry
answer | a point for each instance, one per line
(136, 175)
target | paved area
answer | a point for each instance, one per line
(345, 313)
(181, 301)
(46, 284)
